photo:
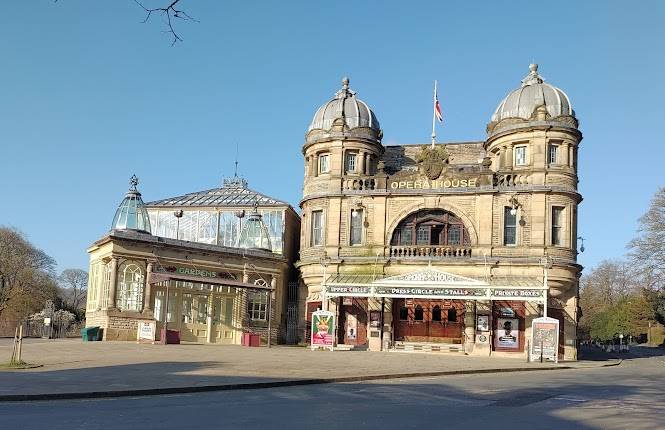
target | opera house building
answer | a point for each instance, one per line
(444, 247)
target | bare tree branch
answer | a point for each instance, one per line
(171, 14)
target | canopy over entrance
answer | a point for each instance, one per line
(430, 283)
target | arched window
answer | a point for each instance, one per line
(418, 315)
(403, 313)
(130, 286)
(436, 313)
(452, 315)
(257, 302)
(431, 227)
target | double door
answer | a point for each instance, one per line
(200, 316)
(428, 320)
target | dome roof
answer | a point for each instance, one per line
(533, 93)
(345, 105)
(254, 233)
(132, 214)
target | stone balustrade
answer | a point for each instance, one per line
(416, 251)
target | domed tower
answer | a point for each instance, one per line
(341, 153)
(343, 140)
(132, 213)
(533, 135)
(533, 138)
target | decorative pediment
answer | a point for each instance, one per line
(431, 276)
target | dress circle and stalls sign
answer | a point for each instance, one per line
(545, 339)
(323, 330)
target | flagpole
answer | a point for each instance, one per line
(434, 116)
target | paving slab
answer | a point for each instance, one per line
(72, 367)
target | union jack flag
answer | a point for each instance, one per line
(437, 108)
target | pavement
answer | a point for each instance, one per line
(629, 396)
(71, 369)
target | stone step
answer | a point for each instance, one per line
(428, 347)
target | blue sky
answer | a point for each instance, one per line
(89, 95)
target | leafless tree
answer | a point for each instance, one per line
(647, 250)
(74, 287)
(171, 14)
(25, 271)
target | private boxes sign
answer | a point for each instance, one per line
(545, 339)
(323, 330)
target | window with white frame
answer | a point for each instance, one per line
(553, 154)
(324, 163)
(356, 235)
(257, 302)
(106, 286)
(317, 228)
(509, 226)
(520, 156)
(557, 225)
(92, 287)
(130, 287)
(351, 162)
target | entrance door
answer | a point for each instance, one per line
(194, 316)
(428, 320)
(352, 327)
(223, 330)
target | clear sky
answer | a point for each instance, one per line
(89, 95)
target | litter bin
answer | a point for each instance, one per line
(251, 339)
(90, 333)
(169, 336)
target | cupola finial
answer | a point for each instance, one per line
(533, 77)
(133, 183)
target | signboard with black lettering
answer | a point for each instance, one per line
(146, 332)
(545, 339)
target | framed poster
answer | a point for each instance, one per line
(351, 327)
(545, 339)
(375, 319)
(483, 323)
(507, 334)
(323, 330)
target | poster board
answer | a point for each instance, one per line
(323, 330)
(545, 339)
(507, 335)
(145, 332)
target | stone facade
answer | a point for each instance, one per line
(526, 166)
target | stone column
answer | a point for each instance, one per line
(564, 154)
(509, 157)
(368, 164)
(361, 163)
(209, 319)
(315, 165)
(148, 288)
(469, 326)
(387, 324)
(114, 282)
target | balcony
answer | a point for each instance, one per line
(426, 251)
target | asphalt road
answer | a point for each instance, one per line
(630, 396)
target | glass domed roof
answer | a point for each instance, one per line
(254, 233)
(132, 214)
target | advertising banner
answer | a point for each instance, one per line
(323, 330)
(507, 333)
(545, 339)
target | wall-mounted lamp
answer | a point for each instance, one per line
(581, 239)
(514, 205)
